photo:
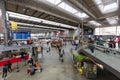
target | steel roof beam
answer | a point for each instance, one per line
(42, 6)
(116, 13)
(34, 13)
(81, 7)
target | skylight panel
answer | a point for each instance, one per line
(68, 26)
(62, 5)
(55, 2)
(111, 7)
(113, 20)
(94, 23)
(67, 7)
(74, 11)
(82, 15)
(107, 6)
(98, 1)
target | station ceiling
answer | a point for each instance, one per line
(93, 13)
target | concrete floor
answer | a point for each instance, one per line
(53, 69)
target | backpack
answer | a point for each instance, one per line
(61, 55)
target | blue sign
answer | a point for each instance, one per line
(20, 35)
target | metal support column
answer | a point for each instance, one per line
(79, 31)
(35, 53)
(4, 22)
(82, 30)
(116, 30)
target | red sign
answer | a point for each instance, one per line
(13, 60)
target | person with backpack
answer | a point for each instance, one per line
(31, 61)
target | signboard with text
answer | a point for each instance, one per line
(14, 25)
(20, 35)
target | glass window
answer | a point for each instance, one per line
(108, 31)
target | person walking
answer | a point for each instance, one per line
(59, 50)
(91, 46)
(63, 52)
(31, 61)
(5, 68)
(61, 57)
(42, 50)
(9, 64)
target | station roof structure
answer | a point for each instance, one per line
(64, 14)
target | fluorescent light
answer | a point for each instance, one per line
(55, 2)
(107, 6)
(113, 20)
(98, 1)
(25, 17)
(25, 24)
(94, 23)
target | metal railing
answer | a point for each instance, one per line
(108, 51)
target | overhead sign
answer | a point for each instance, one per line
(20, 35)
(73, 37)
(14, 25)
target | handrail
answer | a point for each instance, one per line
(105, 48)
(17, 47)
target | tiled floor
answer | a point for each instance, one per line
(53, 69)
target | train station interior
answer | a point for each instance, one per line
(59, 40)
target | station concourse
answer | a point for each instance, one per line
(59, 40)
